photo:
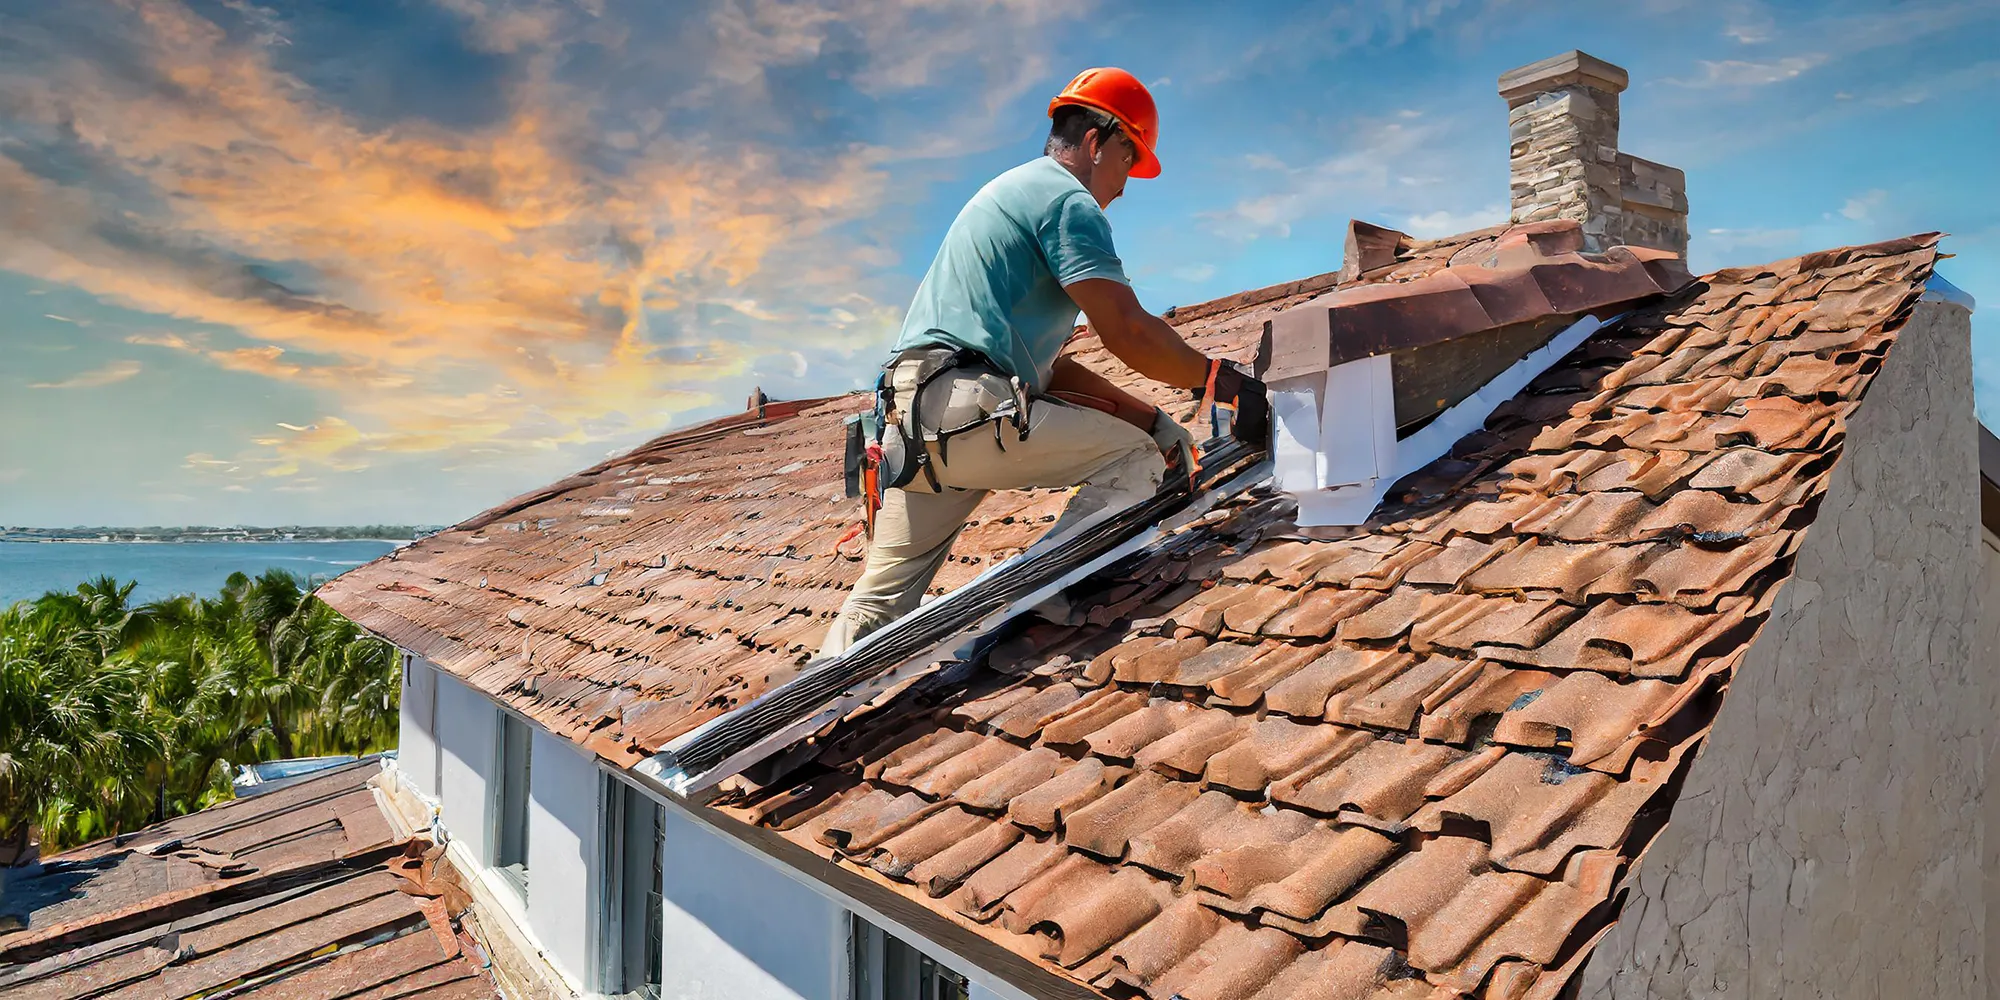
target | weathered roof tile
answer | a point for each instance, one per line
(1403, 759)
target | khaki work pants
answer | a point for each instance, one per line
(1114, 463)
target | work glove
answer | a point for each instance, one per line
(1175, 443)
(1229, 384)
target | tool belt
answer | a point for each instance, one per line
(889, 446)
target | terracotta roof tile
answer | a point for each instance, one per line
(1014, 867)
(1229, 965)
(1381, 780)
(1106, 826)
(1305, 694)
(946, 870)
(1402, 759)
(1270, 748)
(1214, 822)
(1537, 808)
(1641, 640)
(871, 818)
(1393, 700)
(1411, 760)
(926, 839)
(1073, 788)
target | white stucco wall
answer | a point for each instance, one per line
(564, 844)
(1986, 656)
(416, 726)
(1830, 836)
(738, 929)
(467, 731)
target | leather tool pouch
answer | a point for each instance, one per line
(860, 431)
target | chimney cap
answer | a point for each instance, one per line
(1571, 67)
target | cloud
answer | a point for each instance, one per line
(1433, 225)
(59, 319)
(1821, 39)
(1976, 77)
(170, 340)
(12, 475)
(1861, 206)
(1345, 25)
(1743, 73)
(1193, 273)
(1749, 32)
(584, 267)
(1382, 163)
(111, 373)
(1722, 240)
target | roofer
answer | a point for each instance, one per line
(976, 398)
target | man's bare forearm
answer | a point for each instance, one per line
(1145, 342)
(1161, 355)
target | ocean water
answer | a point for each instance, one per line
(162, 569)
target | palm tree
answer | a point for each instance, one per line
(111, 715)
(71, 750)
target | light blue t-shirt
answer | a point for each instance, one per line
(996, 285)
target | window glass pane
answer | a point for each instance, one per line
(640, 935)
(887, 969)
(511, 852)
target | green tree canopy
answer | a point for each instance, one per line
(113, 716)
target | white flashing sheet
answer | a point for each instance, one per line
(1334, 428)
(1336, 448)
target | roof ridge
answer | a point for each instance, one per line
(771, 412)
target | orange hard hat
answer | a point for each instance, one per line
(1120, 95)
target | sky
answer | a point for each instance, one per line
(396, 261)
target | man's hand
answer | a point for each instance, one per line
(1175, 443)
(1143, 341)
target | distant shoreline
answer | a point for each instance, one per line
(195, 541)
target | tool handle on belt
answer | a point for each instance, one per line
(1228, 384)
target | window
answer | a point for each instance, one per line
(634, 938)
(510, 851)
(887, 969)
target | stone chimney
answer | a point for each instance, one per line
(1562, 118)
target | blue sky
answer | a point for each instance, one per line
(397, 260)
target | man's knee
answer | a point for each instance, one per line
(1140, 469)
